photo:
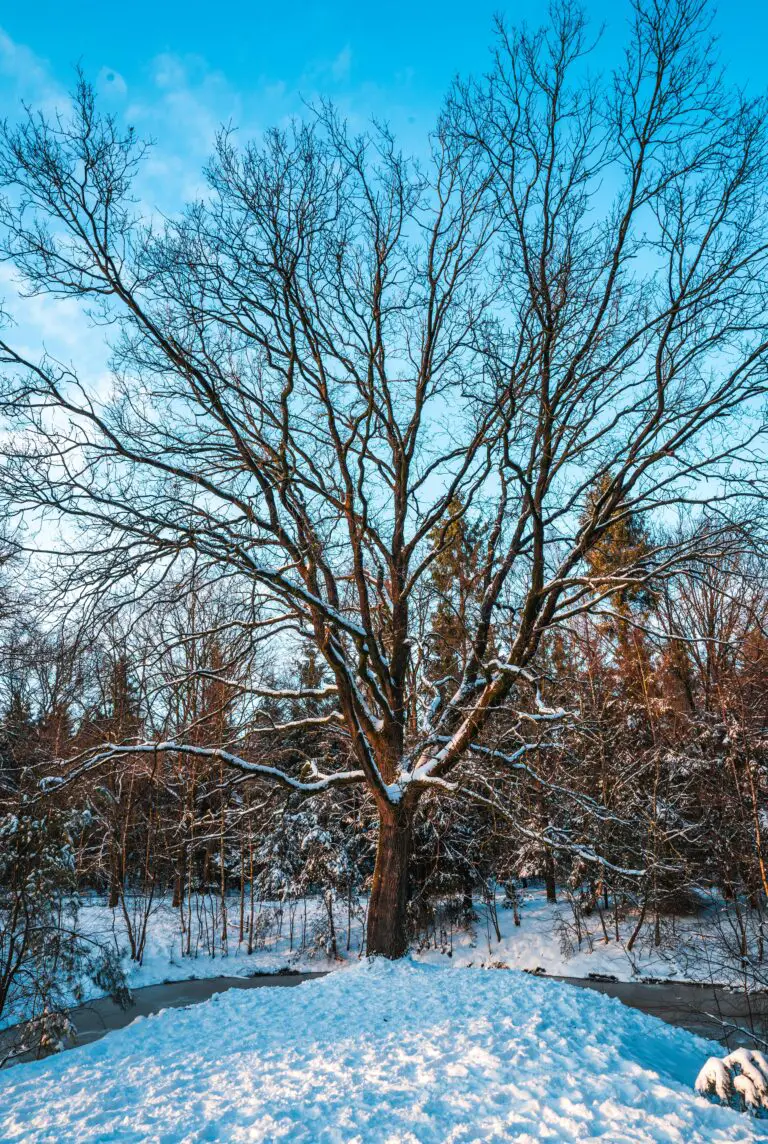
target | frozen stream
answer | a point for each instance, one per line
(698, 1008)
(694, 1007)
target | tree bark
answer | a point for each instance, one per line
(387, 931)
(114, 883)
(549, 877)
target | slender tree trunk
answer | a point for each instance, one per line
(223, 862)
(549, 877)
(251, 900)
(242, 888)
(331, 924)
(387, 931)
(178, 885)
(114, 883)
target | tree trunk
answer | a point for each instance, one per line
(387, 931)
(178, 887)
(114, 883)
(549, 877)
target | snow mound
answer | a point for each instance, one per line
(739, 1080)
(384, 1052)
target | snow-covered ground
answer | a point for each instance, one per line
(545, 939)
(406, 1053)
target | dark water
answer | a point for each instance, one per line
(732, 1017)
(701, 1009)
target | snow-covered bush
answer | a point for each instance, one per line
(44, 956)
(739, 1080)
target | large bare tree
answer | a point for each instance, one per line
(555, 320)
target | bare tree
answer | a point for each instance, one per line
(339, 353)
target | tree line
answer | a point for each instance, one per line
(639, 790)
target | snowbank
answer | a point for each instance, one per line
(384, 1052)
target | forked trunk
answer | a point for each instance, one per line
(387, 933)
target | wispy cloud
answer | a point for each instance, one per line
(25, 76)
(341, 66)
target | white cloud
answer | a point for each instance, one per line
(110, 82)
(342, 64)
(25, 76)
(55, 326)
(169, 71)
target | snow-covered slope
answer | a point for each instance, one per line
(384, 1052)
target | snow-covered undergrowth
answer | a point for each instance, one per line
(295, 936)
(385, 1052)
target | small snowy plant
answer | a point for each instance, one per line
(739, 1080)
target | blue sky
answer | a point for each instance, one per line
(176, 69)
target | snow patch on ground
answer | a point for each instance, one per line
(401, 1052)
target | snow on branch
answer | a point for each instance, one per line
(324, 692)
(546, 839)
(110, 751)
